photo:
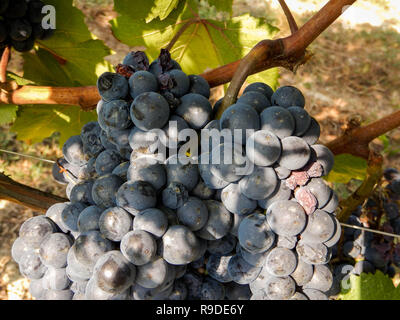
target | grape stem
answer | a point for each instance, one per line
(356, 140)
(292, 22)
(374, 174)
(24, 195)
(5, 58)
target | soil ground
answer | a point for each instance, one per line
(353, 74)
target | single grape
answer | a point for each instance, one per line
(241, 271)
(302, 120)
(54, 249)
(73, 151)
(219, 221)
(195, 109)
(152, 274)
(311, 136)
(320, 227)
(295, 153)
(280, 288)
(149, 111)
(263, 148)
(325, 157)
(288, 96)
(175, 195)
(89, 246)
(240, 116)
(180, 245)
(114, 223)
(55, 279)
(113, 273)
(180, 171)
(260, 184)
(278, 121)
(222, 246)
(281, 262)
(193, 214)
(321, 280)
(286, 217)
(303, 273)
(255, 99)
(105, 189)
(320, 190)
(34, 230)
(31, 266)
(112, 86)
(139, 247)
(151, 220)
(312, 253)
(136, 195)
(142, 81)
(235, 201)
(199, 85)
(212, 290)
(260, 87)
(255, 234)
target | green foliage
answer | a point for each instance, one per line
(161, 9)
(34, 123)
(8, 113)
(205, 44)
(347, 167)
(70, 58)
(370, 286)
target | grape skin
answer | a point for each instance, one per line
(254, 234)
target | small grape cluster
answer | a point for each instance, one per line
(141, 229)
(368, 252)
(21, 24)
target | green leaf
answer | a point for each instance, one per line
(73, 42)
(161, 9)
(222, 5)
(347, 167)
(370, 286)
(71, 57)
(8, 113)
(36, 122)
(205, 44)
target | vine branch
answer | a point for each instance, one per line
(356, 140)
(24, 195)
(374, 174)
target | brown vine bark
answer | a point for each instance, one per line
(26, 196)
(356, 140)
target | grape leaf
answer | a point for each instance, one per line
(161, 9)
(222, 5)
(36, 122)
(347, 167)
(8, 113)
(370, 286)
(71, 57)
(204, 44)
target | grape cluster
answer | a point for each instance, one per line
(21, 24)
(141, 229)
(367, 252)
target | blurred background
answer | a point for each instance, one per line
(354, 73)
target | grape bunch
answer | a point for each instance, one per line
(137, 228)
(366, 252)
(21, 24)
